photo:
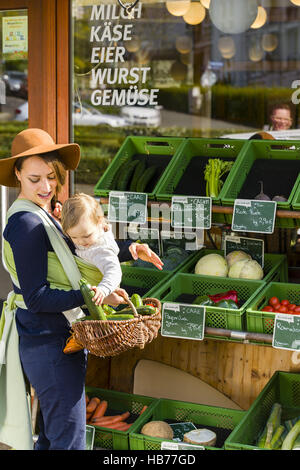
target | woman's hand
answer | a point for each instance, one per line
(144, 252)
(116, 298)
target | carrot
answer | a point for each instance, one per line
(87, 399)
(100, 410)
(117, 426)
(143, 409)
(111, 419)
(92, 405)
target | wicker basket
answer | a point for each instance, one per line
(112, 337)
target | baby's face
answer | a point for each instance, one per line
(85, 233)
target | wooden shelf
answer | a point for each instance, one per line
(281, 214)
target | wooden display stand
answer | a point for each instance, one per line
(238, 370)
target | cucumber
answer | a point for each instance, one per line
(145, 179)
(138, 172)
(136, 300)
(125, 175)
(95, 311)
(117, 176)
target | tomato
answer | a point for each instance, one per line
(282, 309)
(297, 310)
(267, 308)
(273, 301)
(292, 306)
(285, 302)
(276, 307)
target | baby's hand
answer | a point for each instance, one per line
(99, 295)
(57, 210)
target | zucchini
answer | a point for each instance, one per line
(95, 311)
(125, 175)
(145, 179)
(108, 310)
(145, 310)
(121, 316)
(136, 300)
(138, 172)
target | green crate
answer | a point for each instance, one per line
(183, 288)
(263, 322)
(296, 203)
(142, 281)
(275, 266)
(202, 149)
(252, 151)
(220, 420)
(119, 402)
(283, 388)
(159, 151)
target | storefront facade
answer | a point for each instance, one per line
(95, 72)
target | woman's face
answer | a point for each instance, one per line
(37, 180)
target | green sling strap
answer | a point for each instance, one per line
(64, 272)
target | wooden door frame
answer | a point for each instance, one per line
(48, 65)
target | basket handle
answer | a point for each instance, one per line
(128, 301)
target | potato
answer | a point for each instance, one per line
(157, 429)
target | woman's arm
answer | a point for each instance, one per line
(30, 245)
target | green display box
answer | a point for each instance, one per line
(284, 157)
(119, 402)
(142, 281)
(263, 322)
(275, 266)
(158, 151)
(296, 203)
(283, 388)
(184, 288)
(186, 174)
(220, 420)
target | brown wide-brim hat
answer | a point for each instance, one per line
(36, 142)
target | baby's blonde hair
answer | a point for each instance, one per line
(79, 205)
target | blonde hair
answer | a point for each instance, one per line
(79, 205)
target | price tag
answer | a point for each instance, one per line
(253, 246)
(127, 207)
(251, 215)
(90, 436)
(286, 334)
(165, 445)
(183, 321)
(191, 212)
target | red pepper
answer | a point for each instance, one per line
(228, 295)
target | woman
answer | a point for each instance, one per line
(38, 166)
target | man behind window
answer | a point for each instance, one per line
(281, 117)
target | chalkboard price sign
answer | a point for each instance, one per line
(253, 246)
(251, 215)
(286, 333)
(183, 321)
(127, 207)
(191, 212)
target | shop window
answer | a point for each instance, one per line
(182, 68)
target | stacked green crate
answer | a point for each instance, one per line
(184, 288)
(142, 281)
(186, 175)
(276, 164)
(263, 322)
(118, 402)
(283, 388)
(219, 420)
(149, 155)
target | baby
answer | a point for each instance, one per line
(82, 219)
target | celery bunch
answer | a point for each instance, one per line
(214, 170)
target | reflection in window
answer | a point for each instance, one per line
(180, 68)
